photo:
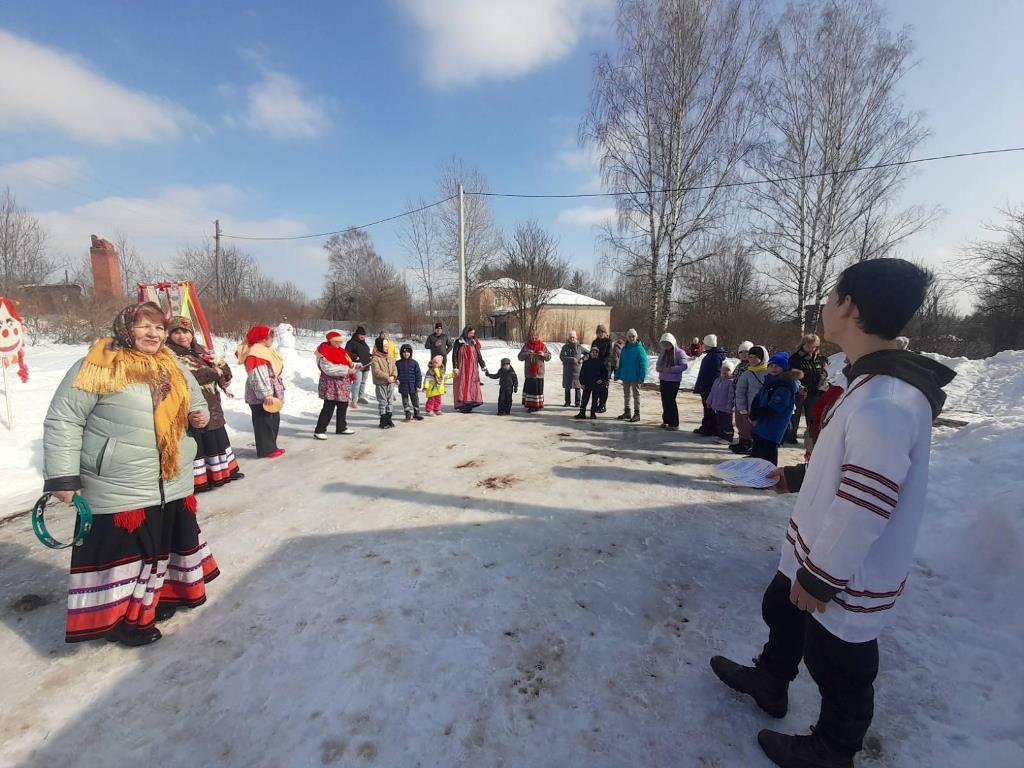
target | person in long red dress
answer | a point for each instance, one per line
(467, 362)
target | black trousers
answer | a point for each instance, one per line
(669, 407)
(264, 427)
(845, 672)
(588, 393)
(764, 449)
(505, 400)
(327, 411)
(709, 424)
(573, 394)
(804, 405)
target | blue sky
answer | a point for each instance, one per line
(287, 119)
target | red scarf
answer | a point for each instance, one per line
(334, 355)
(538, 348)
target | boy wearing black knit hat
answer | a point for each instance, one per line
(508, 385)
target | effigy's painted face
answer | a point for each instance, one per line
(12, 335)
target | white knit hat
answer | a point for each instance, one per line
(711, 340)
(745, 346)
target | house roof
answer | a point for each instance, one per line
(557, 297)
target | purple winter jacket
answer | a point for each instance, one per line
(673, 372)
(723, 395)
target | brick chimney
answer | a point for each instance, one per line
(106, 271)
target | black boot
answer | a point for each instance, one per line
(133, 638)
(164, 611)
(770, 693)
(566, 404)
(593, 415)
(626, 416)
(742, 448)
(580, 415)
(801, 751)
(389, 420)
(383, 421)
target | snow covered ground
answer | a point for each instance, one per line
(534, 590)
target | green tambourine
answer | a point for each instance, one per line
(82, 528)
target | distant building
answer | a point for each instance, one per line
(562, 311)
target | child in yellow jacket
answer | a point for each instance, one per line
(433, 385)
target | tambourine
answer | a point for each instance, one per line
(82, 526)
(275, 406)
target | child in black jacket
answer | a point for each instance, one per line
(508, 384)
(593, 377)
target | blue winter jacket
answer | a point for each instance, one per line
(632, 363)
(774, 405)
(710, 369)
(410, 377)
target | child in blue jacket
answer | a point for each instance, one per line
(410, 381)
(773, 408)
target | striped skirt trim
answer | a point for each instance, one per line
(533, 394)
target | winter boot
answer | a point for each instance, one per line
(580, 415)
(593, 414)
(389, 420)
(626, 416)
(133, 638)
(408, 415)
(801, 751)
(417, 415)
(770, 693)
(383, 421)
(566, 403)
(742, 448)
(636, 417)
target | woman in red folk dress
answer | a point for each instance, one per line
(534, 354)
(467, 362)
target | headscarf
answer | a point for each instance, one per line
(251, 347)
(332, 354)
(113, 363)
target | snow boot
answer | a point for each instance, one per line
(418, 416)
(383, 421)
(770, 693)
(801, 751)
(742, 448)
(580, 415)
(626, 416)
(635, 418)
(390, 420)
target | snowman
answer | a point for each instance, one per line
(285, 335)
(12, 338)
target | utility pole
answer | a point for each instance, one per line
(462, 259)
(216, 258)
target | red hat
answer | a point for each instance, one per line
(333, 335)
(256, 334)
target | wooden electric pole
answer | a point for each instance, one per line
(216, 258)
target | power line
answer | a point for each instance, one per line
(346, 229)
(753, 182)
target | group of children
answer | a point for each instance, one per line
(761, 395)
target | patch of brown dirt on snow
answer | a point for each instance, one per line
(499, 481)
(468, 464)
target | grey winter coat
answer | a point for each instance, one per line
(524, 355)
(572, 360)
(747, 387)
(105, 445)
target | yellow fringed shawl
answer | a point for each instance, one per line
(108, 369)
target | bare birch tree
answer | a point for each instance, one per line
(532, 270)
(671, 116)
(419, 234)
(830, 104)
(23, 247)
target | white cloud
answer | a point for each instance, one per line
(278, 108)
(584, 161)
(44, 88)
(182, 215)
(52, 170)
(470, 40)
(587, 216)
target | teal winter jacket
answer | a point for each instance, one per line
(105, 445)
(633, 363)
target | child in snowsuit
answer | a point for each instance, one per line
(433, 385)
(385, 374)
(773, 408)
(508, 384)
(410, 380)
(722, 399)
(592, 377)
